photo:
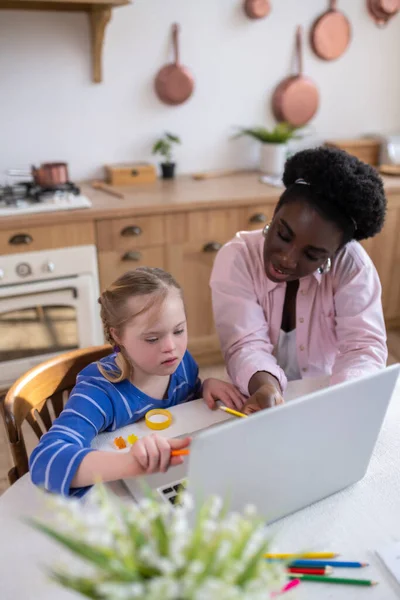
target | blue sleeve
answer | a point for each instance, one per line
(56, 458)
(192, 371)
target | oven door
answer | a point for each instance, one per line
(41, 319)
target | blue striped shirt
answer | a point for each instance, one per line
(97, 405)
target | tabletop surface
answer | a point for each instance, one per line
(355, 522)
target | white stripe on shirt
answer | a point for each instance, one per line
(91, 400)
(47, 472)
(55, 429)
(128, 409)
(184, 371)
(65, 428)
(71, 410)
(67, 472)
(44, 450)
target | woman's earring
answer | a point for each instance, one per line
(265, 230)
(117, 349)
(326, 267)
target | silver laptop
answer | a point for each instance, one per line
(288, 457)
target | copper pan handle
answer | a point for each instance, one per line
(333, 4)
(175, 41)
(299, 48)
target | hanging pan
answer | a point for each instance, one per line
(330, 33)
(174, 83)
(296, 98)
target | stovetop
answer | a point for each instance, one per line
(26, 197)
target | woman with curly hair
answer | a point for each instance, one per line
(302, 298)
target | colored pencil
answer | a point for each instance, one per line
(302, 555)
(236, 413)
(289, 586)
(340, 564)
(183, 452)
(343, 580)
(308, 571)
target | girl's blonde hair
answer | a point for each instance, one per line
(114, 312)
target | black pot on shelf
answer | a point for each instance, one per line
(168, 170)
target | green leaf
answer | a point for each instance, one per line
(173, 138)
(101, 557)
(280, 134)
(83, 585)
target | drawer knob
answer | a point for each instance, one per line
(258, 218)
(20, 238)
(132, 230)
(212, 247)
(132, 255)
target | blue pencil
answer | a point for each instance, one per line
(328, 563)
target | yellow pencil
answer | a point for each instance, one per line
(236, 413)
(310, 555)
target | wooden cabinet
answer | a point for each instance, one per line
(114, 264)
(31, 239)
(384, 249)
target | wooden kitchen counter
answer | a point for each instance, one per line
(184, 193)
(180, 225)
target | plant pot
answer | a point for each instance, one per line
(168, 170)
(272, 158)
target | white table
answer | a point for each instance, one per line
(354, 522)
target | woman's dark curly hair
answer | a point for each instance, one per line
(340, 187)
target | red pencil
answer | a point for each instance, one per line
(310, 571)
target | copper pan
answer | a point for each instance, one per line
(257, 9)
(174, 83)
(296, 98)
(382, 11)
(330, 33)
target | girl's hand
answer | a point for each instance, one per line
(152, 454)
(215, 389)
(266, 396)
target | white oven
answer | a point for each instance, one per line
(48, 305)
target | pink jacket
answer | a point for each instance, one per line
(340, 329)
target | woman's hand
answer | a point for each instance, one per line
(152, 454)
(268, 395)
(215, 389)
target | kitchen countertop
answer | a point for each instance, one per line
(183, 193)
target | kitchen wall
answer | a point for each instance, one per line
(51, 110)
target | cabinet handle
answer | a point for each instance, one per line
(258, 218)
(132, 230)
(20, 238)
(212, 247)
(132, 255)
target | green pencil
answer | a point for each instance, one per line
(324, 579)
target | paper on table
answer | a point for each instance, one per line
(390, 556)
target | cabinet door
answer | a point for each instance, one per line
(256, 217)
(114, 264)
(384, 250)
(191, 265)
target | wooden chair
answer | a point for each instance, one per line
(38, 397)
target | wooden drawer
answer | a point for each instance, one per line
(206, 226)
(114, 264)
(256, 217)
(124, 234)
(30, 239)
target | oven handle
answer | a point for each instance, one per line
(64, 289)
(37, 287)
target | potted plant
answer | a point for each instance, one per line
(163, 146)
(274, 145)
(157, 551)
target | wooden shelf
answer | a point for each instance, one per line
(99, 12)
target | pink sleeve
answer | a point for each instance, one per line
(360, 326)
(240, 320)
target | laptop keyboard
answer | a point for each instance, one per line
(170, 493)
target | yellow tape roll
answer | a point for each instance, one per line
(158, 424)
